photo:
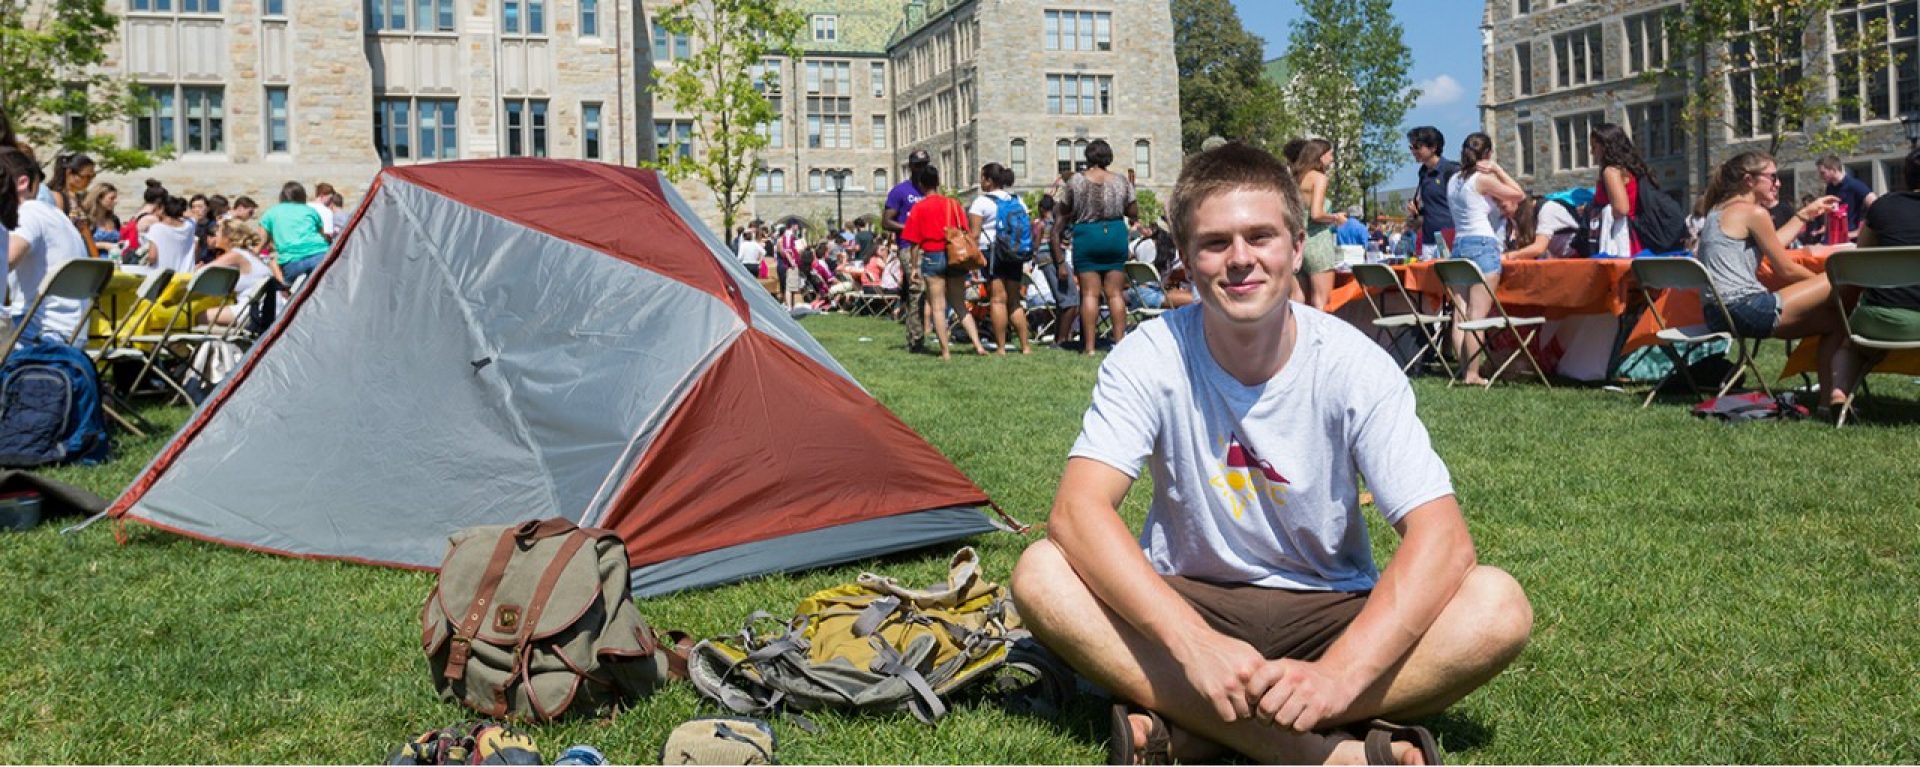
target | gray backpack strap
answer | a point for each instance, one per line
(928, 707)
(876, 613)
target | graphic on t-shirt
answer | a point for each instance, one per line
(1244, 477)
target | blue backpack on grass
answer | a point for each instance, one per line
(50, 410)
(1014, 242)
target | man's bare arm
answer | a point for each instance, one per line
(1435, 555)
(1086, 526)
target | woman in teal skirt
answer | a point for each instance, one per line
(1097, 205)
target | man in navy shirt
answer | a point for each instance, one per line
(913, 286)
(1430, 197)
(1853, 193)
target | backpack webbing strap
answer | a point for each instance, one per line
(875, 614)
(544, 591)
(462, 641)
(887, 660)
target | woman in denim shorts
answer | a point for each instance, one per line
(1737, 234)
(1476, 195)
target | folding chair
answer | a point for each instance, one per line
(1042, 331)
(1460, 276)
(1687, 274)
(1381, 277)
(236, 331)
(1870, 268)
(81, 279)
(214, 282)
(1142, 273)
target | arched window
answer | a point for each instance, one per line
(1063, 156)
(879, 180)
(816, 181)
(1143, 158)
(1017, 158)
(779, 182)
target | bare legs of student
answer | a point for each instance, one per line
(1466, 345)
(1091, 292)
(1114, 284)
(1478, 633)
(943, 293)
(1317, 287)
(1806, 309)
(1005, 295)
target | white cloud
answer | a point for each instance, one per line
(1439, 91)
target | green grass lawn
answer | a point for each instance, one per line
(1703, 593)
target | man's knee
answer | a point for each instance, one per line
(1038, 581)
(1501, 615)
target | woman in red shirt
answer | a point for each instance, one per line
(1621, 170)
(926, 229)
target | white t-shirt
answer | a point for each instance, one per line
(751, 252)
(987, 207)
(327, 226)
(1259, 484)
(51, 242)
(1554, 218)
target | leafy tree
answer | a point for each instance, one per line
(1223, 90)
(1149, 205)
(51, 52)
(1758, 47)
(1350, 86)
(721, 83)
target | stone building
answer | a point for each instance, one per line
(251, 93)
(1554, 68)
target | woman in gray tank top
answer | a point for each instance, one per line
(1737, 234)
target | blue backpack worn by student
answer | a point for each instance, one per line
(50, 410)
(1015, 239)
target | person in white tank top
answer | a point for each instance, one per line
(239, 244)
(1475, 195)
(171, 237)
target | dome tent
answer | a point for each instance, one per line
(501, 340)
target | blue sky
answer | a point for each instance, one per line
(1445, 38)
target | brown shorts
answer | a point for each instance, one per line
(1280, 623)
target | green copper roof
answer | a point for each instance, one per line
(861, 26)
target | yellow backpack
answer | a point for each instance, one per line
(870, 645)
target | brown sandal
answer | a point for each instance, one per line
(1159, 748)
(1380, 735)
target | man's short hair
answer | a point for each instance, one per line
(1913, 170)
(245, 202)
(292, 191)
(1228, 168)
(1831, 162)
(1427, 136)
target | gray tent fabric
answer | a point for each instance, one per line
(499, 303)
(451, 365)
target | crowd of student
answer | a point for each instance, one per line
(1471, 209)
(56, 212)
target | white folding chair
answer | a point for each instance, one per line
(1460, 276)
(244, 303)
(214, 282)
(1431, 327)
(1142, 273)
(1687, 274)
(1870, 268)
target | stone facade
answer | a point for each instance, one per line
(344, 74)
(1587, 61)
(369, 83)
(975, 92)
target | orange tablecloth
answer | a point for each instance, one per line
(1555, 288)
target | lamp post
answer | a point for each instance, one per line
(1910, 122)
(839, 188)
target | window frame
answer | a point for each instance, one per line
(1576, 142)
(445, 128)
(587, 14)
(592, 130)
(1592, 47)
(445, 18)
(285, 120)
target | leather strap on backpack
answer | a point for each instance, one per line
(461, 645)
(548, 579)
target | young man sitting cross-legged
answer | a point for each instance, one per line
(1255, 619)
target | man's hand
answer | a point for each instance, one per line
(1299, 695)
(1220, 667)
